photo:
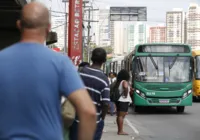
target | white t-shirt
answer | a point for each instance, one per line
(109, 79)
(121, 91)
(112, 80)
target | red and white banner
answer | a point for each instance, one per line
(75, 31)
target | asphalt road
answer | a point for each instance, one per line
(166, 124)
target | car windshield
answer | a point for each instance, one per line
(163, 69)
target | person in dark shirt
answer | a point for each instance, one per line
(82, 65)
(98, 87)
(33, 79)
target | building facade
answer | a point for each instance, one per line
(193, 26)
(175, 21)
(142, 32)
(119, 38)
(157, 34)
(56, 22)
(131, 38)
(137, 34)
(127, 35)
(104, 28)
(112, 33)
(101, 30)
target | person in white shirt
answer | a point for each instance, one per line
(112, 79)
(123, 85)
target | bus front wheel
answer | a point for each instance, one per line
(180, 109)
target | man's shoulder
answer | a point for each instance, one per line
(40, 49)
(25, 44)
(92, 71)
(96, 73)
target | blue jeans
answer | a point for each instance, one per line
(74, 131)
(112, 108)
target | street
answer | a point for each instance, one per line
(158, 124)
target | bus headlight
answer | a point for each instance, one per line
(137, 91)
(189, 92)
(140, 93)
(186, 94)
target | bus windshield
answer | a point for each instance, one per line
(197, 67)
(163, 69)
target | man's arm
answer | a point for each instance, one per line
(125, 88)
(86, 112)
(105, 94)
(104, 109)
(72, 87)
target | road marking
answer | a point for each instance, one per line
(132, 127)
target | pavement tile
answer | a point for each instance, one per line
(110, 130)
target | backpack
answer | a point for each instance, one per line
(68, 113)
(114, 92)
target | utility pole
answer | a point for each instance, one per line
(83, 33)
(65, 27)
(90, 8)
(88, 33)
(88, 40)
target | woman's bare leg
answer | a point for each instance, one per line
(120, 123)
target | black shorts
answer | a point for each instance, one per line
(122, 106)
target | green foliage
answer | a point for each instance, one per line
(53, 46)
(108, 49)
(85, 55)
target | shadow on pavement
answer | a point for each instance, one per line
(157, 111)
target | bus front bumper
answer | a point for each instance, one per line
(139, 101)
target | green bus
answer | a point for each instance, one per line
(162, 75)
(113, 65)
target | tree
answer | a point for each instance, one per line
(53, 46)
(108, 49)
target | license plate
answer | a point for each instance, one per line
(164, 101)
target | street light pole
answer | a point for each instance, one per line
(65, 27)
(88, 41)
(83, 28)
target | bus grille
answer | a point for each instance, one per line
(171, 101)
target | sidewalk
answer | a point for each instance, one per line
(111, 130)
